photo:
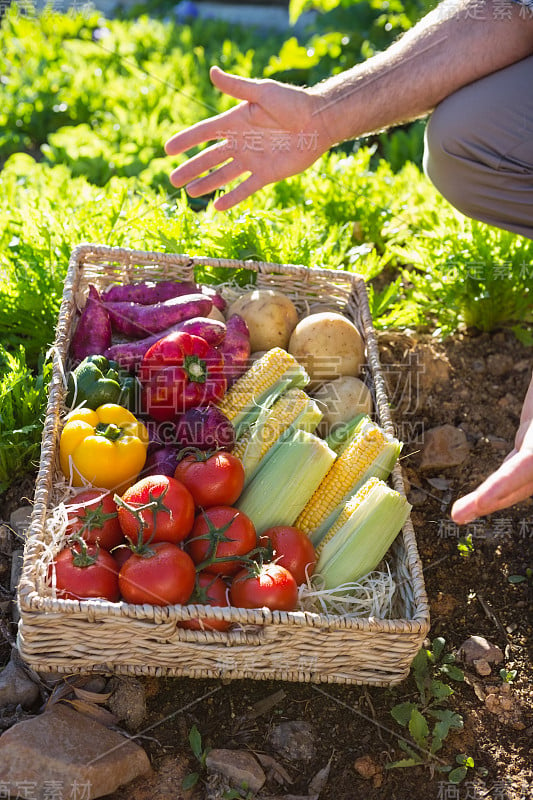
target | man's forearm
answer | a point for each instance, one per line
(452, 46)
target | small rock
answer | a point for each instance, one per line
(444, 446)
(522, 365)
(478, 648)
(499, 364)
(128, 702)
(482, 666)
(238, 766)
(16, 571)
(432, 368)
(67, 749)
(164, 784)
(417, 497)
(444, 604)
(16, 687)
(503, 705)
(294, 740)
(479, 366)
(6, 540)
(366, 767)
(19, 521)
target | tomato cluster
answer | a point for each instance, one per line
(170, 540)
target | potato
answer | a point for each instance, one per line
(270, 316)
(215, 313)
(328, 345)
(340, 401)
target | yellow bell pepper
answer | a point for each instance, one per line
(105, 447)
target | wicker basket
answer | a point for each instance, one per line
(71, 636)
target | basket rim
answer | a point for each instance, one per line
(31, 603)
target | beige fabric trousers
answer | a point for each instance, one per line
(479, 148)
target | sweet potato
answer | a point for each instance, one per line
(130, 354)
(136, 320)
(235, 348)
(93, 331)
(148, 292)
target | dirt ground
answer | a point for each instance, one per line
(477, 383)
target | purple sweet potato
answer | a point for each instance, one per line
(149, 292)
(162, 462)
(93, 331)
(137, 321)
(206, 428)
(130, 354)
(235, 348)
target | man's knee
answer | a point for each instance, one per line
(449, 162)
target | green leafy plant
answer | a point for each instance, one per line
(200, 754)
(22, 403)
(426, 720)
(508, 675)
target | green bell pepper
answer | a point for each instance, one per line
(95, 382)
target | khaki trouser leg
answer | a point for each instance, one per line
(479, 148)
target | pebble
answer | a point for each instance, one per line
(239, 767)
(477, 648)
(482, 667)
(128, 702)
(19, 521)
(165, 784)
(6, 540)
(444, 446)
(16, 570)
(294, 740)
(16, 687)
(64, 748)
(499, 364)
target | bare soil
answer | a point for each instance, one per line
(475, 382)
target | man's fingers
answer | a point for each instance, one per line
(207, 159)
(240, 88)
(205, 131)
(215, 180)
(510, 484)
(240, 193)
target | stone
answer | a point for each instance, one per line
(16, 570)
(294, 740)
(366, 767)
(432, 368)
(19, 521)
(6, 540)
(477, 648)
(128, 702)
(69, 751)
(482, 667)
(16, 687)
(444, 446)
(240, 768)
(499, 364)
(163, 784)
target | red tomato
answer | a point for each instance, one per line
(240, 532)
(213, 479)
(210, 590)
(92, 514)
(121, 555)
(82, 573)
(272, 587)
(162, 575)
(292, 549)
(171, 518)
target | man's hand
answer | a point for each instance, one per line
(275, 132)
(511, 483)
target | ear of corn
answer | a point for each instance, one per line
(361, 536)
(293, 410)
(284, 483)
(343, 434)
(370, 453)
(260, 386)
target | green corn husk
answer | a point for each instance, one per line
(284, 483)
(360, 538)
(294, 410)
